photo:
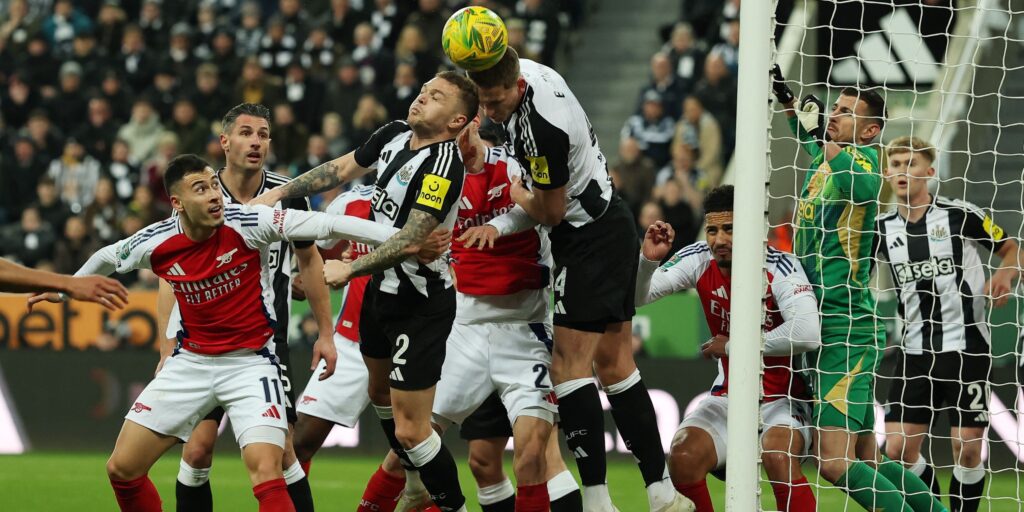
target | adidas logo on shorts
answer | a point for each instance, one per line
(271, 413)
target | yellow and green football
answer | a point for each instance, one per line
(474, 38)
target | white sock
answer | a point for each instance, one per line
(191, 476)
(596, 498)
(384, 412)
(569, 386)
(660, 494)
(425, 451)
(294, 473)
(495, 493)
(413, 482)
(918, 467)
(626, 383)
(561, 485)
(969, 476)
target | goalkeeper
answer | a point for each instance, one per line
(834, 232)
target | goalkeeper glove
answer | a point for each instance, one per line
(811, 114)
(782, 91)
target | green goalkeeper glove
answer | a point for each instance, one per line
(782, 91)
(811, 114)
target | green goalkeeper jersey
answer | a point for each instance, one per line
(834, 234)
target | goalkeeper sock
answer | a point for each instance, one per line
(965, 488)
(795, 496)
(924, 470)
(698, 494)
(871, 490)
(918, 494)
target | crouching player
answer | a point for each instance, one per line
(215, 257)
(791, 326)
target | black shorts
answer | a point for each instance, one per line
(954, 382)
(488, 421)
(410, 329)
(595, 270)
(285, 370)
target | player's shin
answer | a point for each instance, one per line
(298, 488)
(382, 492)
(582, 421)
(918, 494)
(273, 496)
(439, 473)
(192, 489)
(871, 490)
(564, 493)
(966, 487)
(136, 495)
(500, 497)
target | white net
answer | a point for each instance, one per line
(944, 389)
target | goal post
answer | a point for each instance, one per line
(745, 335)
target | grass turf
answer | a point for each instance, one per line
(42, 482)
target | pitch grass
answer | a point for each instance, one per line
(43, 482)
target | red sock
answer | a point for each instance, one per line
(698, 493)
(532, 498)
(305, 466)
(273, 496)
(137, 495)
(795, 496)
(382, 492)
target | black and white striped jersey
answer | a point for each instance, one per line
(939, 273)
(551, 136)
(428, 179)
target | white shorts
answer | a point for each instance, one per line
(342, 397)
(711, 416)
(246, 384)
(510, 358)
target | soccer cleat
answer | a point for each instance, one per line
(679, 504)
(415, 500)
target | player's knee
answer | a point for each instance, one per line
(777, 465)
(483, 467)
(197, 455)
(687, 464)
(118, 470)
(304, 448)
(895, 449)
(529, 465)
(409, 434)
(833, 469)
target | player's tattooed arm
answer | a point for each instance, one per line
(403, 244)
(318, 179)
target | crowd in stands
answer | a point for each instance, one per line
(98, 95)
(676, 146)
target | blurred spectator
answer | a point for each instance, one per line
(99, 131)
(192, 131)
(19, 175)
(333, 131)
(340, 22)
(110, 27)
(39, 67)
(60, 28)
(290, 136)
(400, 95)
(145, 208)
(692, 181)
(68, 108)
(429, 18)
(729, 48)
(88, 56)
(256, 87)
(633, 174)
(542, 28)
(717, 91)
(277, 48)
(209, 96)
(412, 48)
(650, 212)
(165, 90)
(664, 82)
(51, 209)
(76, 174)
(652, 129)
(250, 34)
(708, 135)
(112, 88)
(142, 131)
(679, 213)
(687, 60)
(214, 154)
(702, 14)
(344, 92)
(225, 54)
(179, 57)
(294, 18)
(305, 94)
(31, 241)
(131, 224)
(103, 215)
(387, 20)
(48, 140)
(18, 101)
(124, 173)
(375, 63)
(16, 28)
(318, 54)
(517, 38)
(152, 174)
(369, 116)
(135, 62)
(75, 247)
(316, 154)
(151, 21)
(206, 30)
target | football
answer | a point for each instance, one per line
(474, 38)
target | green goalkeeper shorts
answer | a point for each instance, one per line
(844, 382)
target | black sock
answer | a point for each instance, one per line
(193, 499)
(928, 477)
(505, 505)
(572, 502)
(388, 426)
(440, 476)
(965, 497)
(582, 420)
(302, 496)
(634, 416)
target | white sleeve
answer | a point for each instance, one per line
(653, 283)
(103, 262)
(800, 330)
(274, 225)
(514, 221)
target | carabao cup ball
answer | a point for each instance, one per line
(474, 38)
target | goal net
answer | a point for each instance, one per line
(918, 354)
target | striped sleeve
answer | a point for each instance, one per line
(133, 252)
(440, 182)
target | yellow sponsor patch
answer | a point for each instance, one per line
(433, 191)
(993, 229)
(860, 159)
(539, 169)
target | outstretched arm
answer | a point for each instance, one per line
(403, 244)
(107, 292)
(318, 179)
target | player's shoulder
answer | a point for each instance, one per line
(865, 156)
(447, 162)
(781, 263)
(392, 130)
(884, 217)
(150, 236)
(946, 203)
(692, 255)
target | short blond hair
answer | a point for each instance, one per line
(908, 144)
